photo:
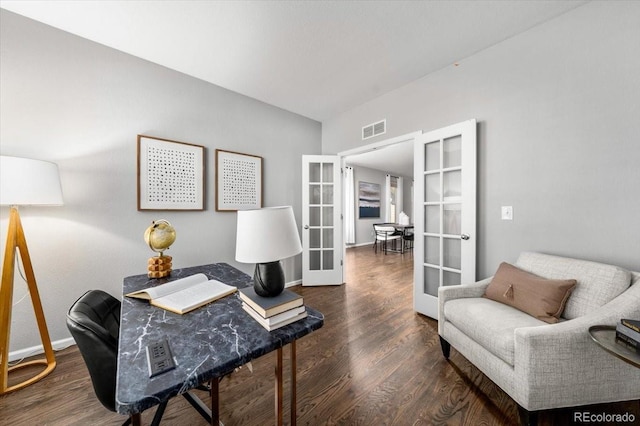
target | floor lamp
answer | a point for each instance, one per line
(23, 182)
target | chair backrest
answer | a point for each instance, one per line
(597, 283)
(94, 323)
(381, 227)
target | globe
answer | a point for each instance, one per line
(160, 235)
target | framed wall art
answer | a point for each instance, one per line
(238, 181)
(368, 200)
(170, 175)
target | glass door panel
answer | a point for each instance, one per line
(314, 216)
(314, 172)
(452, 185)
(452, 152)
(327, 216)
(432, 219)
(314, 260)
(432, 156)
(320, 224)
(314, 194)
(327, 238)
(431, 280)
(451, 278)
(327, 260)
(451, 219)
(432, 187)
(451, 253)
(432, 250)
(327, 194)
(314, 238)
(327, 172)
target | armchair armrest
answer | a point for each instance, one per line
(560, 365)
(458, 292)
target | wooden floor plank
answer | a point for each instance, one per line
(375, 362)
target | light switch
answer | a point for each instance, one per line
(507, 212)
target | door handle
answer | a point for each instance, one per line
(306, 227)
(465, 236)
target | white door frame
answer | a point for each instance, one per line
(409, 137)
(392, 141)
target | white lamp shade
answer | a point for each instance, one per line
(25, 182)
(267, 235)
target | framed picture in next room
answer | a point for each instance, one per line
(368, 200)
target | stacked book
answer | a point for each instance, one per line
(273, 312)
(628, 331)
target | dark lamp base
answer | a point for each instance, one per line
(268, 279)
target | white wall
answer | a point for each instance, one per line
(364, 226)
(81, 105)
(559, 123)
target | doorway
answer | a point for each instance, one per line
(393, 156)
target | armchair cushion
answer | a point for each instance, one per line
(490, 324)
(541, 298)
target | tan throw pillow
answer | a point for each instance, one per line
(537, 296)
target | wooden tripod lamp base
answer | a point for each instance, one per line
(16, 240)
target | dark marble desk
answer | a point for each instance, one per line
(207, 343)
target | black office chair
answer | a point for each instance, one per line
(94, 323)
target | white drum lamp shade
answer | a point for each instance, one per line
(26, 182)
(267, 235)
(264, 237)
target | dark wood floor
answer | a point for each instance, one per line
(375, 362)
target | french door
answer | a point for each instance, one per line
(322, 247)
(445, 209)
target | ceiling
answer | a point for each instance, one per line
(396, 159)
(314, 58)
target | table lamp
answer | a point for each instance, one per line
(28, 183)
(264, 237)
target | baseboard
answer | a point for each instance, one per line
(370, 243)
(293, 283)
(36, 350)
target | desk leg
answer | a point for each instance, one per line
(135, 419)
(279, 387)
(215, 410)
(293, 383)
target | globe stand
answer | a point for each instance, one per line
(159, 266)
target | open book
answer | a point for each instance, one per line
(186, 294)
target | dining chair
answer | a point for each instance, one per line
(407, 238)
(384, 234)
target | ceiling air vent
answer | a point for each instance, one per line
(374, 129)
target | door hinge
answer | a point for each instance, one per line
(340, 262)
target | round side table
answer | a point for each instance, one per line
(605, 336)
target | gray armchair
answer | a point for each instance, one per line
(540, 365)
